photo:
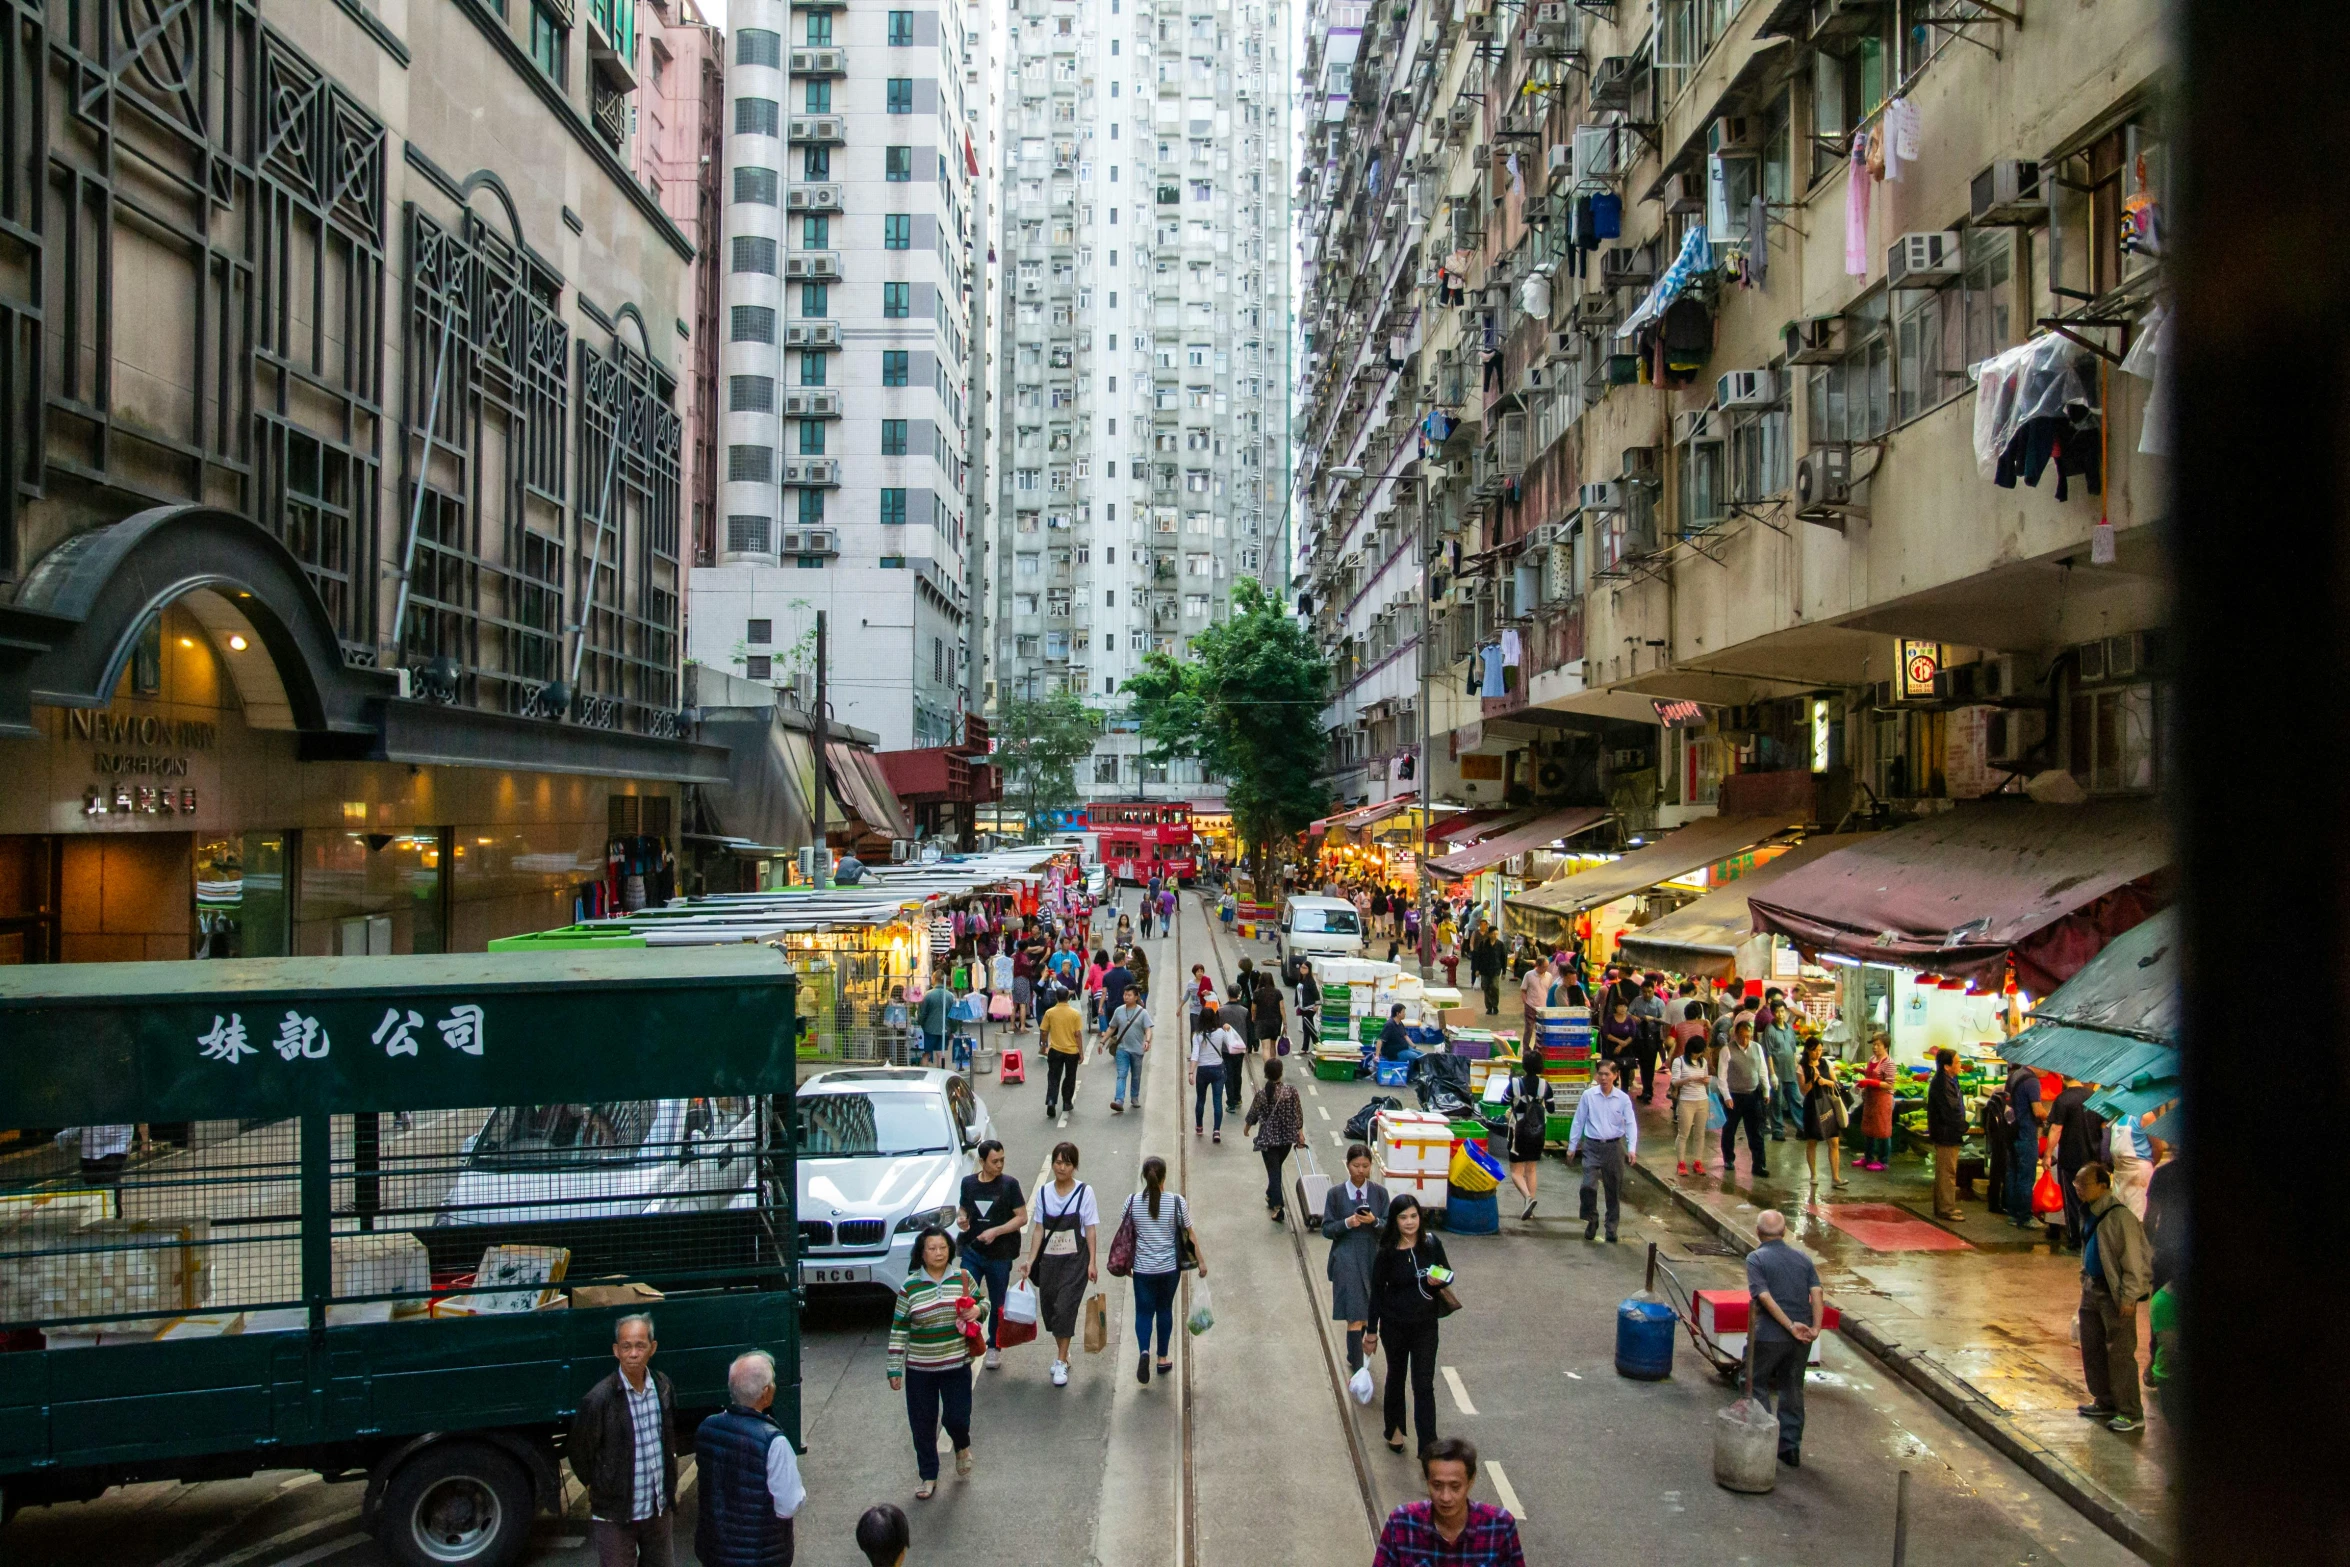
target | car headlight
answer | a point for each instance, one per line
(925, 1218)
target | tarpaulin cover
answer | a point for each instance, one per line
(1958, 893)
(2132, 987)
(858, 785)
(1702, 842)
(1468, 826)
(1536, 834)
(1702, 939)
(770, 773)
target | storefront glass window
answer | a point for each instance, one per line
(241, 902)
(370, 893)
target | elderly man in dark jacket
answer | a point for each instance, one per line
(1945, 1129)
(748, 1476)
(623, 1450)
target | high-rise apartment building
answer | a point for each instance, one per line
(679, 152)
(846, 363)
(1141, 342)
(1641, 463)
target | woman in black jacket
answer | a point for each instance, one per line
(1404, 1307)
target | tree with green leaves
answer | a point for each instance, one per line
(1246, 704)
(1039, 743)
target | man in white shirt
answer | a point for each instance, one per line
(1533, 995)
(1604, 1138)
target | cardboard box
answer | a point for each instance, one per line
(591, 1297)
(1457, 1017)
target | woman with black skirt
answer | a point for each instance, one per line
(1067, 1221)
(1404, 1307)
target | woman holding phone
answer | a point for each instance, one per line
(1351, 1213)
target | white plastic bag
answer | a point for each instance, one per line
(1020, 1303)
(1203, 1308)
(1360, 1384)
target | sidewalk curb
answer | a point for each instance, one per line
(2125, 1524)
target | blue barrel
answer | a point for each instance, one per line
(1644, 1339)
(1472, 1213)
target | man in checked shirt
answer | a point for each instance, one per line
(624, 1452)
(1449, 1530)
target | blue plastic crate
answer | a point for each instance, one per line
(1392, 1074)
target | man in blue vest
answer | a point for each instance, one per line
(749, 1478)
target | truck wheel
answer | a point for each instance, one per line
(456, 1502)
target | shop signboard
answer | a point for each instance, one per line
(1919, 663)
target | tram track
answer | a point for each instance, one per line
(1221, 965)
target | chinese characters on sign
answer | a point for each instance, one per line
(128, 800)
(305, 1038)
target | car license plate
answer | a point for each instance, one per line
(859, 1274)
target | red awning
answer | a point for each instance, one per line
(1955, 894)
(1469, 826)
(1536, 834)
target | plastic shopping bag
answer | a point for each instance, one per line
(1020, 1304)
(2047, 1196)
(1360, 1384)
(1203, 1310)
(1716, 1117)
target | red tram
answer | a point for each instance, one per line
(1145, 838)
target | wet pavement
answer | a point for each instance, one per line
(1976, 1311)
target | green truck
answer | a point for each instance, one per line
(378, 1216)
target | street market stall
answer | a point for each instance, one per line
(1554, 912)
(2115, 1024)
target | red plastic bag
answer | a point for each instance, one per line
(2047, 1196)
(1009, 1333)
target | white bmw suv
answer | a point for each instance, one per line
(882, 1153)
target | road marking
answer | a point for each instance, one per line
(1577, 1375)
(1460, 1394)
(300, 1531)
(317, 1553)
(1311, 1089)
(1337, 1140)
(1325, 1110)
(1507, 1492)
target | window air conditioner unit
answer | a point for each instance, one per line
(1560, 160)
(1926, 260)
(1747, 389)
(1734, 133)
(1480, 26)
(2009, 191)
(1682, 196)
(1604, 496)
(789, 542)
(1622, 266)
(1639, 464)
(1553, 13)
(2011, 733)
(1699, 424)
(820, 541)
(1823, 483)
(1815, 340)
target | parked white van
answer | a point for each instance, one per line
(1321, 928)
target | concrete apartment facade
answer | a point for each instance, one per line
(1728, 516)
(1141, 342)
(340, 589)
(847, 364)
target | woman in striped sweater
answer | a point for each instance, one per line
(930, 1353)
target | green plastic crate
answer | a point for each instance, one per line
(1338, 1069)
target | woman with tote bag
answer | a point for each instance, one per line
(1155, 1243)
(1067, 1222)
